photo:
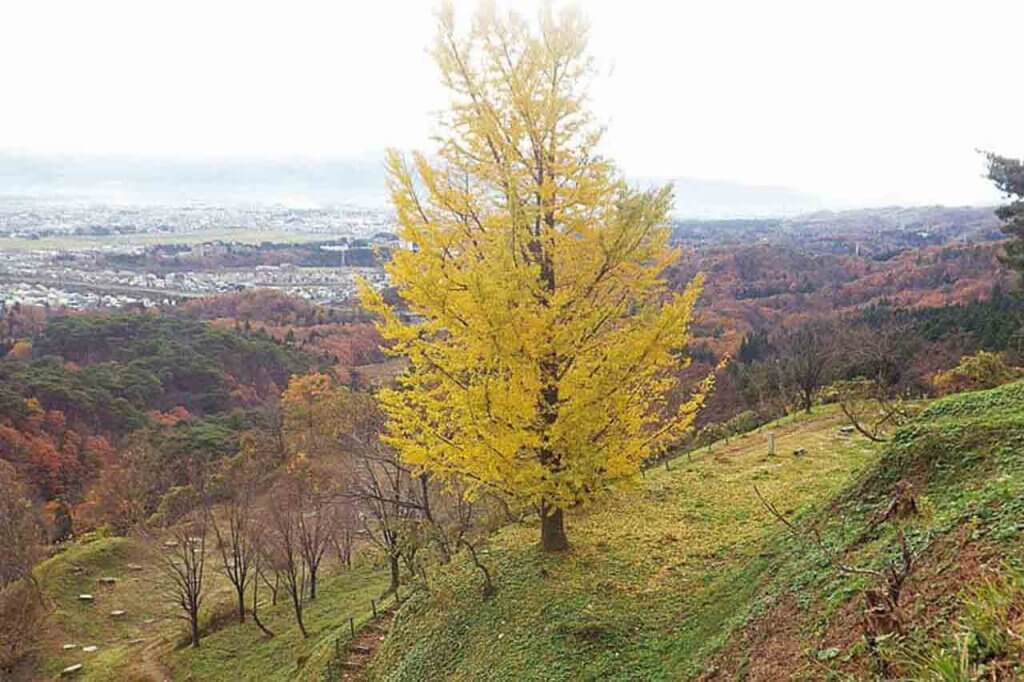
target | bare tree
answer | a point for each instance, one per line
(807, 356)
(314, 533)
(285, 549)
(451, 516)
(184, 568)
(256, 540)
(22, 609)
(232, 527)
(872, 411)
(401, 510)
(389, 505)
(334, 432)
(344, 523)
(881, 355)
(391, 500)
(881, 614)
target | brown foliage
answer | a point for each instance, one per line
(22, 614)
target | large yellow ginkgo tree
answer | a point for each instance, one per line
(544, 342)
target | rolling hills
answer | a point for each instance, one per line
(683, 574)
(687, 576)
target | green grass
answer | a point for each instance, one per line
(241, 652)
(685, 576)
(657, 578)
(964, 456)
(679, 575)
(233, 652)
(85, 624)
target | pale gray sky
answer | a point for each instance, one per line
(865, 101)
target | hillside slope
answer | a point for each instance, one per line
(960, 612)
(147, 642)
(687, 576)
(657, 577)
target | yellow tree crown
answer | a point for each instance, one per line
(544, 340)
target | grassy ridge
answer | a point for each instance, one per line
(229, 652)
(77, 571)
(682, 575)
(657, 578)
(686, 576)
(241, 652)
(964, 456)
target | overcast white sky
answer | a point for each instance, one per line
(866, 101)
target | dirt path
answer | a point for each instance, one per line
(149, 662)
(364, 646)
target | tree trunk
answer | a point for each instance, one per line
(488, 583)
(552, 531)
(395, 568)
(255, 604)
(312, 584)
(241, 604)
(194, 623)
(297, 607)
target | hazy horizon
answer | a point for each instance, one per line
(754, 109)
(309, 183)
(312, 183)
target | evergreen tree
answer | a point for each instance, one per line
(1008, 176)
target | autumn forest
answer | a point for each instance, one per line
(572, 435)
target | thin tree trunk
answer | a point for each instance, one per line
(255, 606)
(488, 584)
(552, 531)
(395, 569)
(297, 605)
(241, 603)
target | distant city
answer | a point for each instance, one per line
(87, 232)
(84, 255)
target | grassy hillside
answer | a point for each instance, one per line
(962, 607)
(656, 580)
(683, 575)
(686, 576)
(78, 571)
(241, 652)
(146, 643)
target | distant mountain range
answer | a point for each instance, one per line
(717, 199)
(295, 182)
(880, 233)
(314, 183)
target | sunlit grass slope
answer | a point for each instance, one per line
(77, 571)
(962, 606)
(657, 578)
(241, 652)
(146, 643)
